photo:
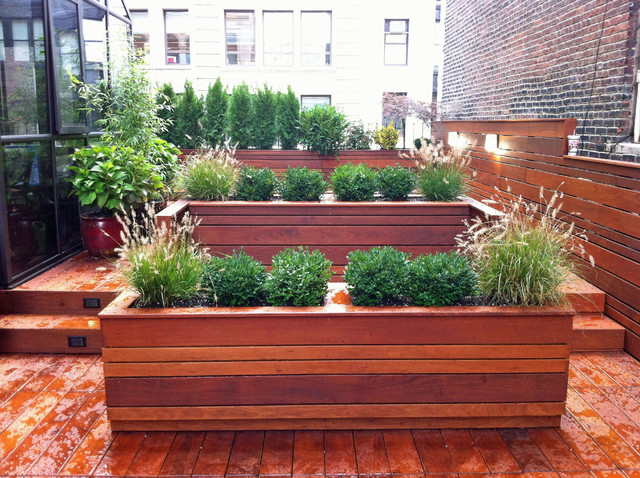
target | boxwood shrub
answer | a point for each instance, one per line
(440, 279)
(255, 184)
(377, 276)
(395, 183)
(353, 182)
(234, 281)
(302, 184)
(299, 278)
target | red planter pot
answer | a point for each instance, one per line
(101, 235)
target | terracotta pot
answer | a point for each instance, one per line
(101, 235)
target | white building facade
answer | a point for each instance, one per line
(345, 53)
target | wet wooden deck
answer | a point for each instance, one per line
(53, 423)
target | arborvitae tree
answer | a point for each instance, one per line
(264, 123)
(166, 98)
(287, 120)
(215, 108)
(239, 118)
(189, 112)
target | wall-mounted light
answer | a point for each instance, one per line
(491, 143)
(452, 139)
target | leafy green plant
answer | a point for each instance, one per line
(288, 119)
(523, 257)
(209, 174)
(215, 108)
(255, 184)
(440, 279)
(163, 265)
(265, 132)
(387, 137)
(299, 278)
(189, 111)
(302, 184)
(357, 137)
(322, 129)
(164, 156)
(395, 183)
(418, 142)
(239, 118)
(377, 276)
(166, 100)
(234, 281)
(112, 177)
(354, 182)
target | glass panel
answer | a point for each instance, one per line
(23, 87)
(119, 42)
(240, 29)
(116, 6)
(94, 29)
(30, 207)
(434, 88)
(316, 38)
(278, 38)
(309, 102)
(68, 212)
(67, 52)
(176, 26)
(396, 40)
(140, 27)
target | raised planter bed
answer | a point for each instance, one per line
(336, 228)
(334, 367)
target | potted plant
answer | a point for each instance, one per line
(108, 179)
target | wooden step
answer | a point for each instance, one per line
(596, 333)
(42, 333)
(583, 297)
(80, 302)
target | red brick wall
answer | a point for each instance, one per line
(509, 59)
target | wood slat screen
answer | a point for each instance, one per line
(601, 196)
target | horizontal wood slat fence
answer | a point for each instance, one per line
(600, 196)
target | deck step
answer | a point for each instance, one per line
(48, 302)
(584, 297)
(596, 332)
(43, 333)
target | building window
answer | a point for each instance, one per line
(278, 38)
(434, 87)
(176, 26)
(316, 39)
(438, 11)
(240, 30)
(140, 27)
(308, 102)
(396, 42)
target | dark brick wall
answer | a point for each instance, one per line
(508, 59)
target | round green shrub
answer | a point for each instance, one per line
(209, 175)
(444, 182)
(353, 182)
(395, 183)
(255, 184)
(322, 129)
(377, 276)
(419, 142)
(234, 281)
(440, 279)
(299, 278)
(302, 184)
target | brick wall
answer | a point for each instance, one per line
(507, 59)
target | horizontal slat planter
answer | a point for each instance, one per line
(336, 228)
(600, 196)
(334, 367)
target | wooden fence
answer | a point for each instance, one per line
(600, 196)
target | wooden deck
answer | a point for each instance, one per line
(53, 423)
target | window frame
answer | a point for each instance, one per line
(226, 43)
(166, 43)
(264, 29)
(387, 33)
(330, 52)
(302, 97)
(132, 12)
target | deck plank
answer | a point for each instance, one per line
(402, 453)
(183, 454)
(340, 453)
(371, 455)
(308, 453)
(495, 451)
(465, 453)
(433, 452)
(525, 450)
(246, 454)
(214, 456)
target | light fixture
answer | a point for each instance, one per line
(452, 139)
(491, 143)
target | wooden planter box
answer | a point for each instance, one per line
(336, 228)
(334, 367)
